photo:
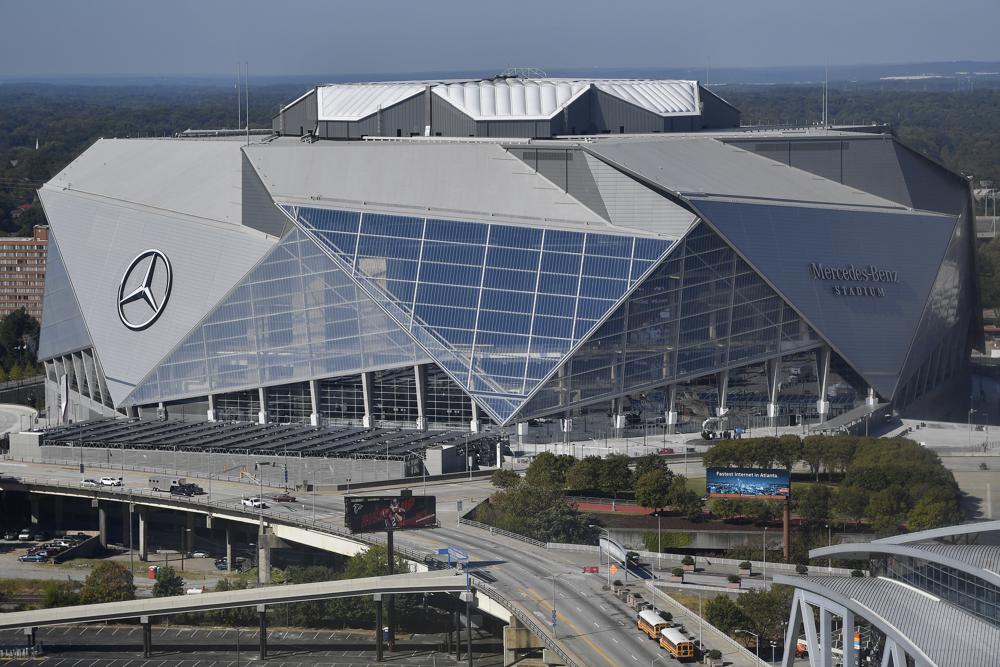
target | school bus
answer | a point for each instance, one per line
(651, 623)
(676, 644)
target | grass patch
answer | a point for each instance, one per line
(689, 601)
(697, 484)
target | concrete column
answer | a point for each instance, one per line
(671, 408)
(418, 377)
(211, 408)
(262, 397)
(161, 411)
(262, 614)
(57, 510)
(366, 395)
(314, 402)
(871, 399)
(132, 411)
(229, 549)
(147, 637)
(773, 373)
(825, 637)
(823, 375)
(29, 636)
(143, 534)
(263, 558)
(377, 598)
(36, 512)
(474, 425)
(723, 389)
(188, 533)
(847, 640)
(126, 526)
(102, 524)
(468, 596)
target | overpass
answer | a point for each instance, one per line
(524, 630)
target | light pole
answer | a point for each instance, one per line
(829, 542)
(609, 550)
(554, 632)
(756, 639)
(774, 645)
(971, 412)
(764, 576)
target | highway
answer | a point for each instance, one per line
(590, 622)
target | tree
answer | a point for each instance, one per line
(932, 510)
(726, 508)
(168, 583)
(585, 474)
(988, 264)
(724, 614)
(616, 476)
(548, 470)
(652, 490)
(650, 462)
(813, 504)
(850, 503)
(59, 594)
(766, 611)
(789, 451)
(505, 479)
(813, 452)
(108, 582)
(683, 499)
(887, 509)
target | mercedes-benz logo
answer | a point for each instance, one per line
(141, 302)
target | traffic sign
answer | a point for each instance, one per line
(553, 618)
(857, 640)
(614, 569)
(590, 569)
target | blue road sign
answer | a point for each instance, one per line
(442, 551)
(553, 618)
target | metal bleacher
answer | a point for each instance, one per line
(250, 438)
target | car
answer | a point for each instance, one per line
(254, 502)
(200, 554)
(40, 536)
(24, 535)
(194, 489)
(283, 498)
(663, 451)
(111, 481)
(10, 535)
(90, 483)
(33, 558)
(221, 564)
(181, 491)
(62, 544)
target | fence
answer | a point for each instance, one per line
(276, 470)
(502, 532)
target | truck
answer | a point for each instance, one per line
(166, 483)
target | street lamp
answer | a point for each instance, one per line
(756, 639)
(608, 532)
(829, 542)
(764, 575)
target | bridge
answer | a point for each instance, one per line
(526, 629)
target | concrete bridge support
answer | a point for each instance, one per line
(36, 512)
(262, 613)
(229, 548)
(518, 640)
(264, 556)
(102, 524)
(377, 598)
(143, 533)
(147, 637)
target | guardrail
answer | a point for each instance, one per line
(500, 531)
(529, 622)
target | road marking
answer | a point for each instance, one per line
(542, 601)
(614, 640)
(634, 658)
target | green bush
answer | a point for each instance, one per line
(667, 541)
(733, 579)
(688, 560)
(801, 569)
(677, 571)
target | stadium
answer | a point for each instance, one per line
(503, 256)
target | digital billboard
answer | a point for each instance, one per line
(760, 483)
(370, 514)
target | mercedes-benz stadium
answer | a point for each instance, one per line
(490, 254)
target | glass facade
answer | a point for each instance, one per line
(238, 406)
(498, 306)
(289, 403)
(342, 400)
(971, 593)
(295, 316)
(702, 310)
(446, 403)
(394, 396)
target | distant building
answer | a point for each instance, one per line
(22, 271)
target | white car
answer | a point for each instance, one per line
(200, 554)
(111, 481)
(90, 483)
(256, 503)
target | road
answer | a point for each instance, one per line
(12, 416)
(104, 646)
(591, 622)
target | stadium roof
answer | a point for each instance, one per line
(506, 98)
(942, 632)
(979, 560)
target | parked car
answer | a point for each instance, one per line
(32, 558)
(663, 451)
(62, 543)
(222, 563)
(254, 502)
(200, 554)
(90, 483)
(40, 536)
(10, 535)
(111, 481)
(283, 498)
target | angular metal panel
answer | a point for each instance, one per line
(63, 329)
(869, 321)
(99, 240)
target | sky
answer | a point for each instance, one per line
(60, 38)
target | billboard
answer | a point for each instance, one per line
(370, 514)
(760, 483)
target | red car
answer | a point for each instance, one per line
(283, 498)
(663, 451)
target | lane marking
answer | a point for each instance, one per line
(597, 649)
